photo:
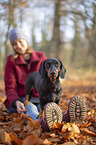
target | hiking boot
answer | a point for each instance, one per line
(77, 109)
(53, 113)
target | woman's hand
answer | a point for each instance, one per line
(20, 107)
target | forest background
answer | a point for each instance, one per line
(65, 29)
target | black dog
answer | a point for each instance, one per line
(46, 81)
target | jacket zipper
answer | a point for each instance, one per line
(28, 67)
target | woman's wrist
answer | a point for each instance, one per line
(14, 103)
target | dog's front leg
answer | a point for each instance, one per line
(41, 113)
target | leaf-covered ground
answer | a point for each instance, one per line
(17, 129)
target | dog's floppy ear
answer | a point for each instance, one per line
(42, 69)
(62, 70)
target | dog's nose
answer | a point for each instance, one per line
(53, 72)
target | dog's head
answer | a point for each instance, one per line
(53, 68)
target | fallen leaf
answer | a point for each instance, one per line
(47, 142)
(68, 134)
(86, 132)
(33, 124)
(69, 143)
(17, 129)
(75, 128)
(85, 125)
(36, 124)
(32, 140)
(36, 132)
(54, 140)
(94, 125)
(65, 127)
(5, 137)
(56, 125)
(45, 135)
(15, 139)
(2, 117)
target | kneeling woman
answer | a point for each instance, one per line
(22, 62)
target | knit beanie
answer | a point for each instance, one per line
(15, 34)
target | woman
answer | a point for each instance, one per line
(23, 61)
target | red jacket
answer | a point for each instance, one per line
(16, 72)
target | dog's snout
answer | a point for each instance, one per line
(53, 72)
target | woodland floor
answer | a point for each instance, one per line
(17, 129)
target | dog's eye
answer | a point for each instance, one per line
(48, 64)
(56, 64)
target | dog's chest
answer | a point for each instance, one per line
(53, 88)
(48, 87)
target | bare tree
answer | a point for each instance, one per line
(10, 7)
(56, 39)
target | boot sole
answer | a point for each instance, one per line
(53, 114)
(77, 109)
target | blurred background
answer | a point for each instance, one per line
(65, 29)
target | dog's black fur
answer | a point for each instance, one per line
(46, 81)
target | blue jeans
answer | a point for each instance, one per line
(32, 109)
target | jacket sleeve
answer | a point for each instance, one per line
(10, 81)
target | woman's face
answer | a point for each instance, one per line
(20, 46)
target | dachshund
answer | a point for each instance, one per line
(46, 81)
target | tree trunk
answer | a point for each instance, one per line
(56, 39)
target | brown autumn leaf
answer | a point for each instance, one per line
(51, 137)
(15, 139)
(5, 123)
(65, 127)
(33, 125)
(16, 129)
(85, 125)
(86, 132)
(75, 128)
(36, 132)
(91, 128)
(47, 142)
(94, 125)
(54, 140)
(57, 125)
(53, 134)
(68, 134)
(2, 117)
(18, 121)
(68, 143)
(32, 140)
(45, 135)
(22, 134)
(4, 136)
(1, 130)
(69, 130)
(90, 119)
(28, 127)
(16, 125)
(14, 116)
(36, 124)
